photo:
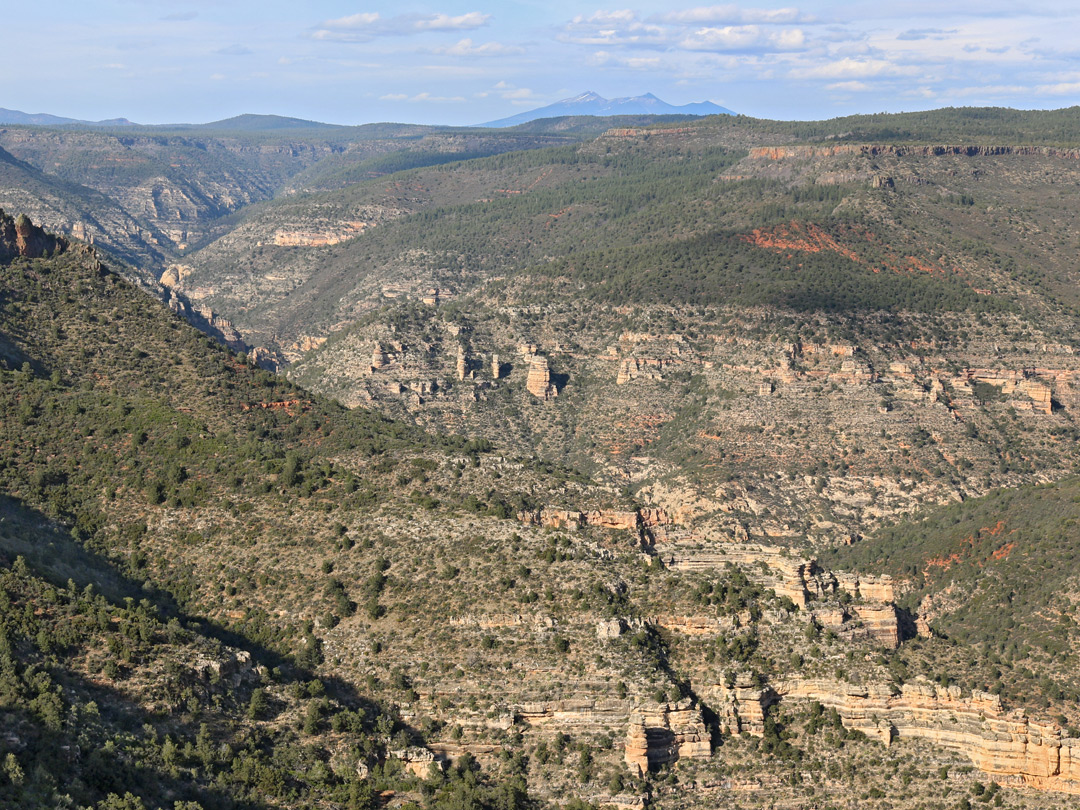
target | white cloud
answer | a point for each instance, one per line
(915, 34)
(421, 97)
(354, 21)
(849, 68)
(848, 87)
(437, 99)
(606, 59)
(513, 93)
(444, 22)
(622, 17)
(728, 38)
(612, 28)
(367, 26)
(734, 14)
(990, 90)
(1059, 89)
(791, 38)
(742, 38)
(694, 29)
(467, 47)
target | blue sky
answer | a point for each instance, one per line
(159, 61)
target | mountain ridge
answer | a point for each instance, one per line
(48, 120)
(592, 103)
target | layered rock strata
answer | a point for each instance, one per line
(1007, 745)
(897, 150)
(642, 523)
(665, 735)
(539, 382)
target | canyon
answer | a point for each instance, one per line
(581, 464)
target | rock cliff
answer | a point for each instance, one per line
(21, 237)
(1007, 745)
(539, 382)
(877, 150)
(665, 735)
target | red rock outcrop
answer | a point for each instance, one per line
(21, 237)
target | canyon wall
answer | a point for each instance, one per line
(1007, 745)
(877, 150)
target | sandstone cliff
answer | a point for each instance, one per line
(1007, 745)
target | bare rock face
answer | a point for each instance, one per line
(628, 369)
(233, 666)
(875, 589)
(174, 275)
(320, 234)
(801, 152)
(665, 735)
(461, 364)
(881, 623)
(539, 382)
(610, 628)
(633, 367)
(645, 524)
(418, 761)
(1008, 745)
(21, 237)
(496, 369)
(379, 358)
(613, 519)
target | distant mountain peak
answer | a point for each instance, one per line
(592, 103)
(47, 120)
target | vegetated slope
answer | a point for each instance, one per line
(71, 208)
(807, 341)
(220, 512)
(174, 185)
(666, 210)
(250, 122)
(123, 430)
(177, 186)
(997, 576)
(450, 227)
(434, 148)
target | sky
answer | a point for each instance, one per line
(470, 61)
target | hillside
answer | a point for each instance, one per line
(803, 340)
(995, 574)
(146, 194)
(224, 590)
(707, 464)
